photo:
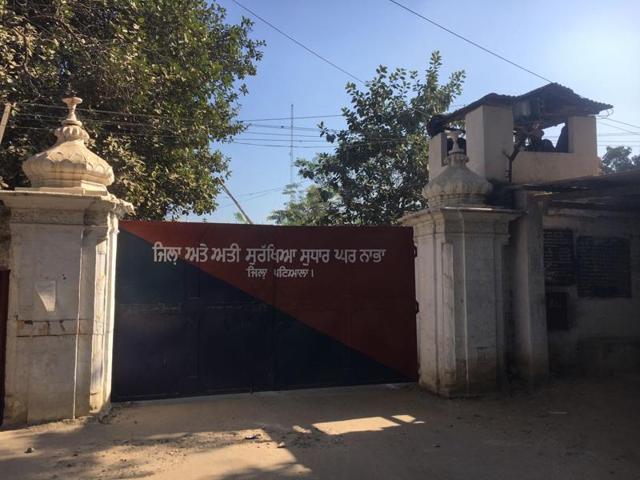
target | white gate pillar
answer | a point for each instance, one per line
(62, 260)
(459, 283)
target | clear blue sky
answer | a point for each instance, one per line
(591, 46)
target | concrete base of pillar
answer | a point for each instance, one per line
(60, 317)
(459, 284)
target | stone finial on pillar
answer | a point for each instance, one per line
(459, 289)
(61, 255)
(456, 184)
(69, 163)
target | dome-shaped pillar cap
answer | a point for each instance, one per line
(69, 164)
(456, 185)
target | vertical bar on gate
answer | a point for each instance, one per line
(4, 304)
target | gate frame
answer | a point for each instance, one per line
(4, 310)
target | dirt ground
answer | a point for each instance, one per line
(568, 430)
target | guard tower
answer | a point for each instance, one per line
(505, 141)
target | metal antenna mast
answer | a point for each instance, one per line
(291, 151)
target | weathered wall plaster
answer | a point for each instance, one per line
(589, 317)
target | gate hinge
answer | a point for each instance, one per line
(415, 251)
(417, 306)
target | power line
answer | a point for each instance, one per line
(247, 200)
(622, 134)
(618, 128)
(178, 120)
(289, 141)
(247, 122)
(618, 121)
(471, 42)
(256, 129)
(185, 119)
(92, 110)
(282, 127)
(298, 135)
(250, 141)
(259, 192)
(300, 44)
(625, 144)
(305, 117)
(282, 146)
(159, 117)
(98, 121)
(54, 124)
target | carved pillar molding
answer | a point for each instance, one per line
(459, 288)
(62, 260)
(459, 282)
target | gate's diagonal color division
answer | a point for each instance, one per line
(199, 324)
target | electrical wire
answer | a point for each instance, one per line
(471, 42)
(618, 128)
(172, 127)
(181, 120)
(297, 135)
(259, 192)
(246, 200)
(300, 44)
(236, 203)
(280, 140)
(618, 121)
(490, 52)
(282, 146)
(299, 138)
(327, 146)
(305, 117)
(127, 134)
(248, 122)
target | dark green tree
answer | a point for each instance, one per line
(379, 165)
(172, 71)
(619, 159)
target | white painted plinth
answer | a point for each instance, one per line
(60, 321)
(459, 288)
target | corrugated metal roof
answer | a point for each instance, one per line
(615, 191)
(591, 182)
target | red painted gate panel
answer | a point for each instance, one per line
(316, 305)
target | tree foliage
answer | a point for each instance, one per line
(172, 71)
(379, 165)
(305, 207)
(619, 159)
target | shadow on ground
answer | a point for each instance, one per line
(587, 429)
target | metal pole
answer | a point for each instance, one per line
(224, 187)
(5, 119)
(291, 151)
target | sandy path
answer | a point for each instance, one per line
(581, 430)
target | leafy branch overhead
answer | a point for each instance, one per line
(379, 165)
(174, 68)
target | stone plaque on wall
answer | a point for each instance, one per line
(604, 267)
(559, 260)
